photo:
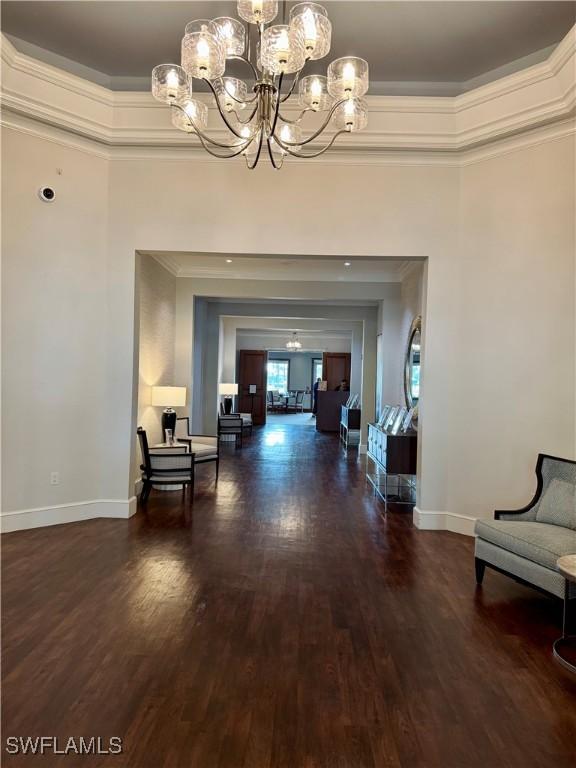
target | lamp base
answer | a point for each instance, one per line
(168, 422)
(227, 405)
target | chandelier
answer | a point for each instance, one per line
(294, 345)
(281, 50)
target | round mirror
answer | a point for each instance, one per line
(412, 364)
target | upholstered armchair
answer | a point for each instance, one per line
(526, 543)
(204, 447)
(231, 425)
(161, 466)
(247, 422)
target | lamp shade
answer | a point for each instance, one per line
(228, 389)
(169, 396)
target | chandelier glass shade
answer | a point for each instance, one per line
(251, 109)
(294, 345)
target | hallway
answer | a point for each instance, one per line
(286, 624)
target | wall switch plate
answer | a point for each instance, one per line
(54, 478)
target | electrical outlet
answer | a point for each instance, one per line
(54, 478)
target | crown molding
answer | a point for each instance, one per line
(443, 159)
(42, 100)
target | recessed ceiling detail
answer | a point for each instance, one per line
(413, 48)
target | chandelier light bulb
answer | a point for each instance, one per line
(190, 110)
(348, 77)
(203, 54)
(257, 11)
(172, 80)
(232, 35)
(170, 83)
(351, 115)
(313, 93)
(282, 49)
(232, 93)
(311, 19)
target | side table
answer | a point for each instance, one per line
(565, 647)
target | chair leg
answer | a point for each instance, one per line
(217, 467)
(191, 501)
(146, 488)
(480, 566)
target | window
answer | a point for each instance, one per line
(278, 372)
(316, 370)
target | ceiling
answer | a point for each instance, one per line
(428, 48)
(298, 268)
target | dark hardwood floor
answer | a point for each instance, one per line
(284, 624)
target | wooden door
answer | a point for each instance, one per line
(253, 372)
(335, 367)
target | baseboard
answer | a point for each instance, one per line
(24, 519)
(443, 521)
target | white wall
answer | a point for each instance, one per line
(157, 304)
(499, 315)
(394, 320)
(514, 390)
(54, 339)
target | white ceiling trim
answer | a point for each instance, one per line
(531, 98)
(395, 270)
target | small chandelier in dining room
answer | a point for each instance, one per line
(294, 345)
(280, 50)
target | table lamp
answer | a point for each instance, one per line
(228, 390)
(168, 396)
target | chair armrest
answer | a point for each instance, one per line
(184, 427)
(207, 440)
(526, 513)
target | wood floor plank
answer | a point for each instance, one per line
(283, 623)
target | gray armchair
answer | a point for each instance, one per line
(526, 543)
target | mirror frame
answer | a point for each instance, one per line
(415, 327)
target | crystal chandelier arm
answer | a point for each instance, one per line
(246, 61)
(218, 154)
(277, 108)
(222, 113)
(320, 130)
(271, 154)
(255, 163)
(204, 136)
(298, 119)
(248, 119)
(313, 154)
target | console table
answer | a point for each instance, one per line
(350, 425)
(391, 465)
